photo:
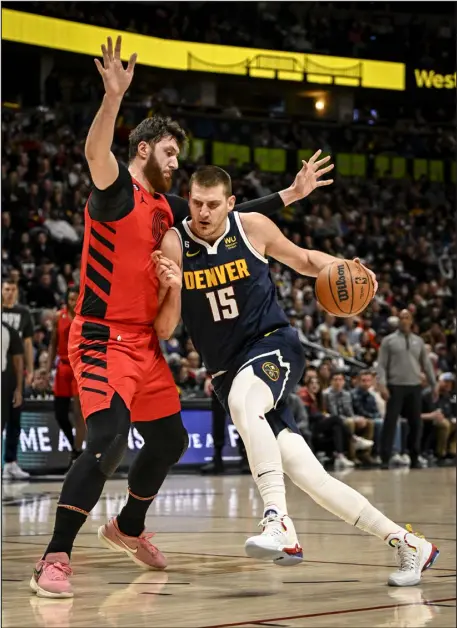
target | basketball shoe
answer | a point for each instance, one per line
(278, 541)
(414, 554)
(50, 576)
(138, 548)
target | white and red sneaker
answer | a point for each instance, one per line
(278, 541)
(414, 554)
(51, 576)
(138, 548)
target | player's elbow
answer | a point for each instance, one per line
(164, 331)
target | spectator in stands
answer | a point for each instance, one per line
(402, 357)
(324, 373)
(365, 405)
(342, 345)
(440, 419)
(41, 294)
(43, 248)
(329, 326)
(338, 402)
(327, 430)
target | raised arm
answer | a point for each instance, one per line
(307, 180)
(168, 263)
(103, 165)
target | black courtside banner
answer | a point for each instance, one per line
(43, 448)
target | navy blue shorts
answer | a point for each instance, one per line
(279, 360)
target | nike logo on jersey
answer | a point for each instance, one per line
(192, 254)
(217, 276)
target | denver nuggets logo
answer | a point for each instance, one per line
(271, 371)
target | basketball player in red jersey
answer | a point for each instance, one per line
(65, 387)
(121, 312)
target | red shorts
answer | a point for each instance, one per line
(108, 359)
(64, 382)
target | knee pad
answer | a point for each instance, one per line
(111, 458)
(108, 432)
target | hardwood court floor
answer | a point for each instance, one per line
(201, 526)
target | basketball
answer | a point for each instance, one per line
(344, 288)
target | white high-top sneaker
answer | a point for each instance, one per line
(12, 471)
(414, 554)
(278, 541)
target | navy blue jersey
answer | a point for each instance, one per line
(228, 297)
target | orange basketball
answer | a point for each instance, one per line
(344, 288)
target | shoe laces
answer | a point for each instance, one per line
(275, 524)
(407, 555)
(144, 539)
(57, 571)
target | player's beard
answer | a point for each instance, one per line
(155, 176)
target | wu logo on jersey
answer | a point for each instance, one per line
(230, 242)
(271, 371)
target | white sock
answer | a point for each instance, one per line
(303, 468)
(249, 400)
(372, 520)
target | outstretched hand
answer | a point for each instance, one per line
(309, 177)
(116, 79)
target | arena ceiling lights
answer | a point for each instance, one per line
(47, 32)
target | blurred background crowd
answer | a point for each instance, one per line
(352, 29)
(401, 226)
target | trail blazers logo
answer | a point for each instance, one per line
(271, 371)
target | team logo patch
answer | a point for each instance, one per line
(230, 242)
(271, 371)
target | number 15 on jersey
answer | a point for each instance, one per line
(223, 304)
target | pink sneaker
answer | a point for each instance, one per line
(140, 550)
(50, 576)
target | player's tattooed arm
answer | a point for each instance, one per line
(168, 265)
(103, 166)
(306, 181)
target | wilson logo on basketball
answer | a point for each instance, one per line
(271, 371)
(341, 285)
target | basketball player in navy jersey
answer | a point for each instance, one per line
(255, 358)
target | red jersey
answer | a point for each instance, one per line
(118, 280)
(64, 321)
